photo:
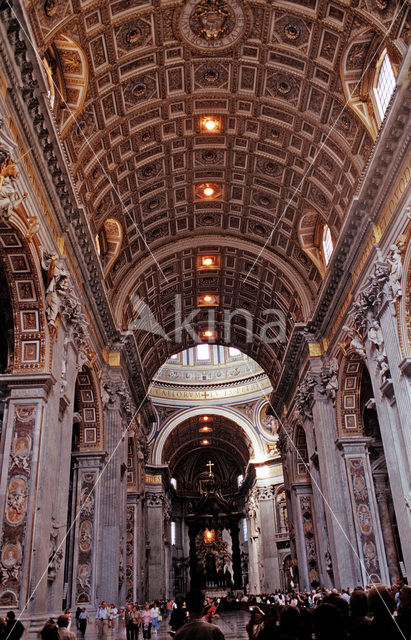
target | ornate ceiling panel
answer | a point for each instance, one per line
(285, 144)
(228, 448)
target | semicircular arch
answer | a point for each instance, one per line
(240, 420)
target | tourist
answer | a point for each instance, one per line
(178, 616)
(101, 621)
(49, 631)
(404, 611)
(134, 622)
(146, 621)
(269, 629)
(14, 629)
(381, 605)
(68, 613)
(82, 621)
(155, 616)
(328, 622)
(197, 628)
(126, 617)
(63, 622)
(255, 623)
(359, 622)
(290, 623)
(76, 615)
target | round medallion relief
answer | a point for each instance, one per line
(212, 24)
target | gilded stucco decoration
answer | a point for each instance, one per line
(89, 432)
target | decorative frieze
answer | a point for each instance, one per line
(14, 541)
(364, 519)
(85, 537)
(309, 539)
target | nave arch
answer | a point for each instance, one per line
(231, 415)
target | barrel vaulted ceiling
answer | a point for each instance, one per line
(138, 79)
(187, 451)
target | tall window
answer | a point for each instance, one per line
(203, 352)
(385, 85)
(240, 479)
(245, 531)
(327, 244)
(173, 532)
(233, 352)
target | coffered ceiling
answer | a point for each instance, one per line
(187, 452)
(138, 79)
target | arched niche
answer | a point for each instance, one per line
(88, 431)
(66, 67)
(301, 470)
(359, 68)
(349, 405)
(109, 240)
(20, 264)
(311, 234)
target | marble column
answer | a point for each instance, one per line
(381, 492)
(370, 542)
(305, 540)
(111, 519)
(194, 578)
(334, 489)
(24, 518)
(81, 574)
(237, 579)
(393, 404)
(155, 543)
(268, 543)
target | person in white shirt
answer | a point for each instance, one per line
(154, 612)
(101, 621)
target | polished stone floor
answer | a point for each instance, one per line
(232, 624)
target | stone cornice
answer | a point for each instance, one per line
(51, 161)
(387, 157)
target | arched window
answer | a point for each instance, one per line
(385, 84)
(203, 352)
(328, 245)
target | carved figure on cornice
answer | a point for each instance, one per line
(328, 562)
(57, 282)
(394, 260)
(55, 553)
(376, 338)
(282, 442)
(125, 400)
(304, 398)
(371, 295)
(358, 315)
(329, 379)
(252, 516)
(355, 340)
(9, 198)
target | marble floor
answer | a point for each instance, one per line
(232, 624)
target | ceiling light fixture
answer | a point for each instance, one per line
(205, 442)
(208, 262)
(210, 124)
(208, 300)
(208, 191)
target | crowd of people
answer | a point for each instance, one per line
(370, 613)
